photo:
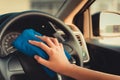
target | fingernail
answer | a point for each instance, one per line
(36, 57)
(30, 41)
(44, 36)
(36, 35)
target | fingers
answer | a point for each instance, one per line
(41, 60)
(41, 45)
(51, 42)
(61, 45)
(55, 41)
(47, 39)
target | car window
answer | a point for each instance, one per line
(49, 6)
(109, 22)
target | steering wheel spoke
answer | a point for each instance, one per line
(10, 66)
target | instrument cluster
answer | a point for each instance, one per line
(6, 47)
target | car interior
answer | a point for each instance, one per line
(71, 22)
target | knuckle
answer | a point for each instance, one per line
(47, 39)
(51, 51)
(55, 39)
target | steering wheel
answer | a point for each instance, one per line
(15, 63)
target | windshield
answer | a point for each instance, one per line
(49, 6)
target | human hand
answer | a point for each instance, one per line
(58, 61)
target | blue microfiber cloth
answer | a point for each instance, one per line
(21, 43)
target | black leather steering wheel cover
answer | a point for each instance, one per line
(72, 39)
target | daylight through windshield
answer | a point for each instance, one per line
(49, 6)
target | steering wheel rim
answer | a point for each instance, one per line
(72, 39)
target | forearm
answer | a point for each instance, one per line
(55, 51)
(80, 73)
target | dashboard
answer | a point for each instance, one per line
(7, 43)
(42, 25)
(11, 34)
(14, 30)
(46, 25)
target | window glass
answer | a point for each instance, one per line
(109, 22)
(49, 6)
(105, 5)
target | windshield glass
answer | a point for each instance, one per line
(49, 6)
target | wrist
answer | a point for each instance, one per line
(66, 69)
(72, 71)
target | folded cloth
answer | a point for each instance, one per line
(21, 43)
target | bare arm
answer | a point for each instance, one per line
(59, 63)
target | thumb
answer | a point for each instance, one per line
(41, 60)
